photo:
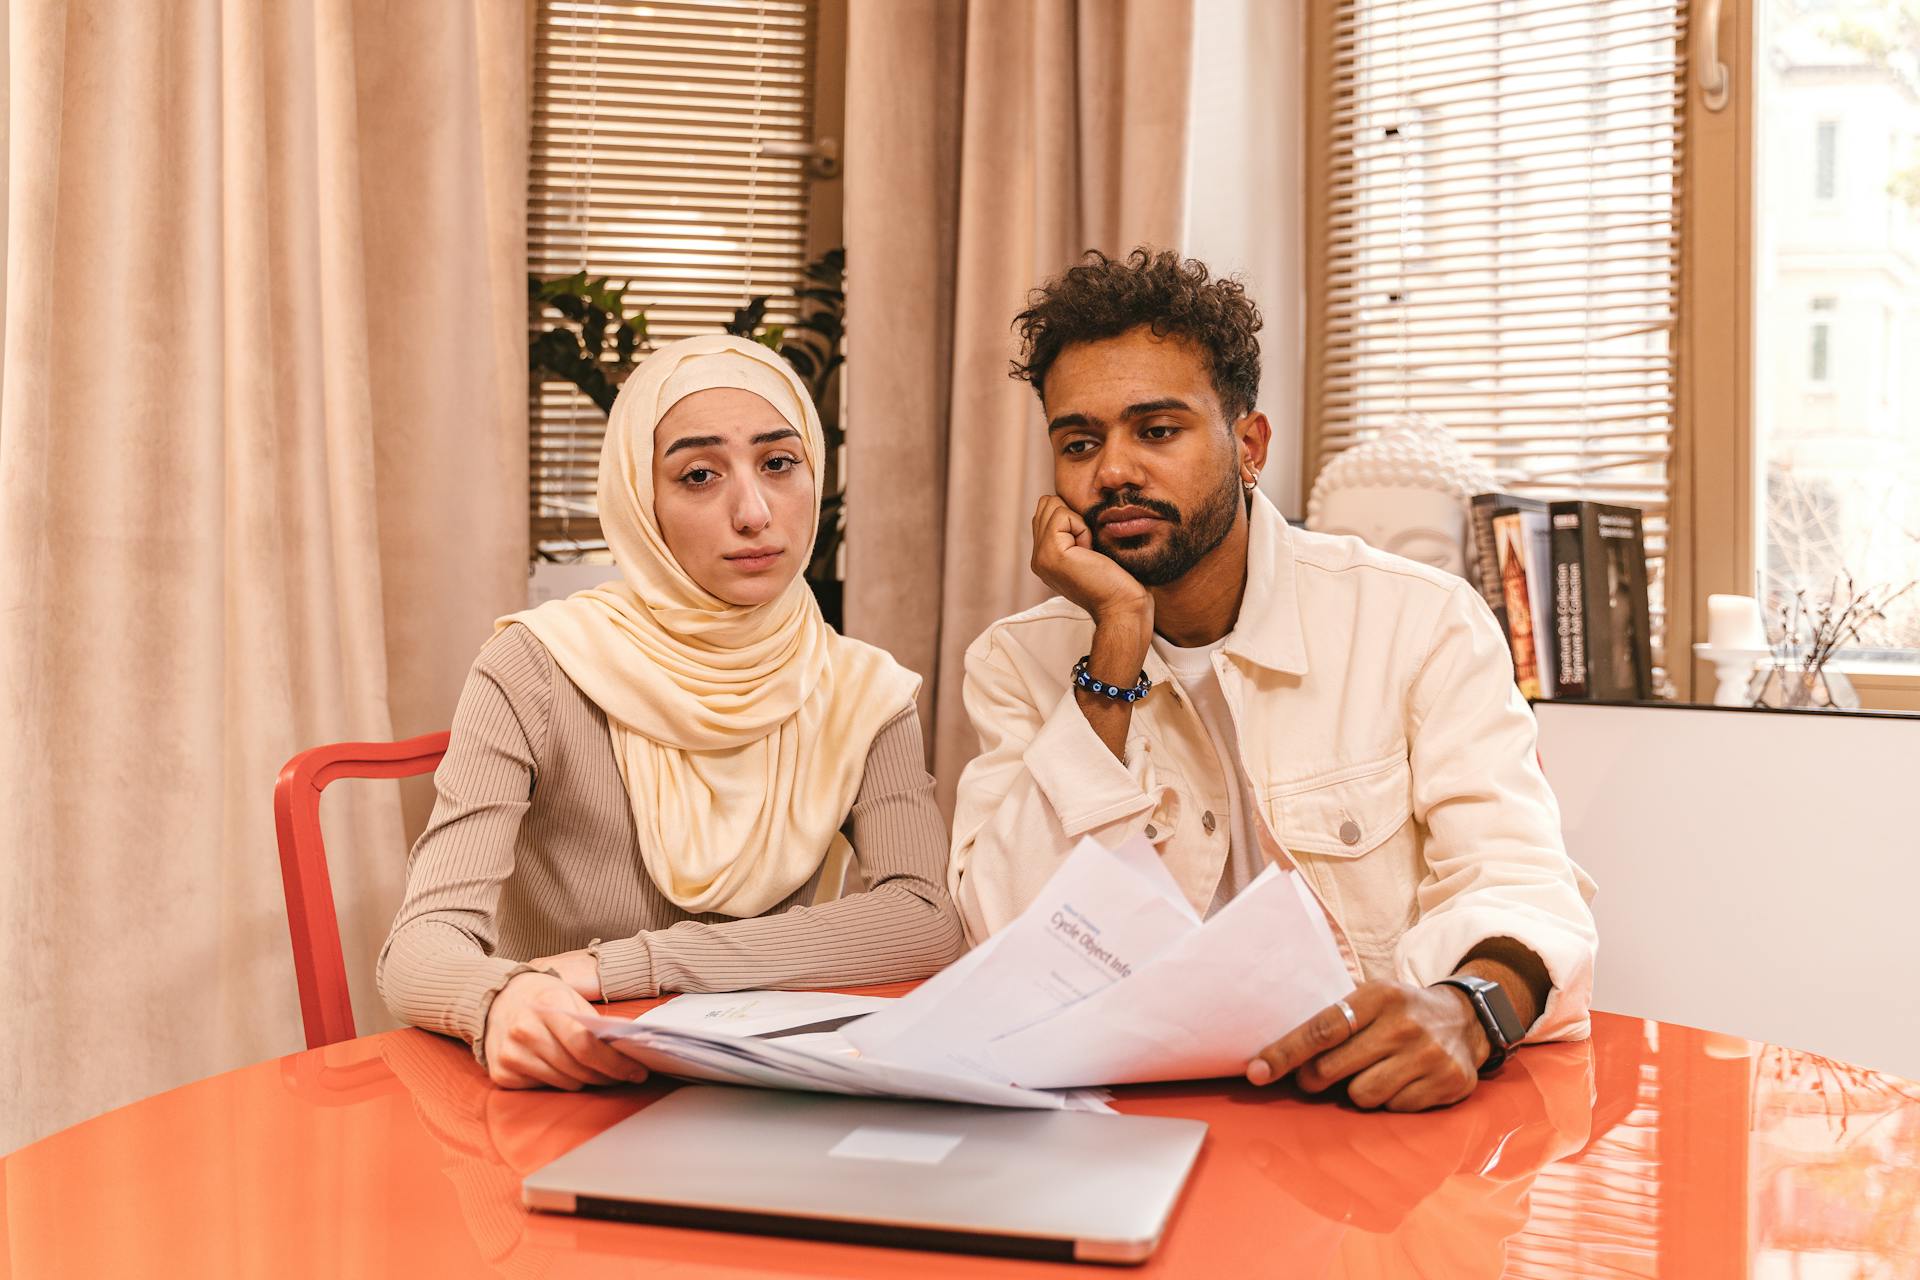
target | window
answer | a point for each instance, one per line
(1826, 139)
(1819, 352)
(669, 154)
(1839, 467)
(1496, 238)
(1889, 359)
(1805, 462)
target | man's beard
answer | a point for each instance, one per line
(1188, 540)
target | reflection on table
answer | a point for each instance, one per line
(1654, 1150)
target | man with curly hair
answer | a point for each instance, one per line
(1244, 693)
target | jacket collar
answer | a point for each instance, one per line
(1268, 632)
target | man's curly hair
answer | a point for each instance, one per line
(1102, 297)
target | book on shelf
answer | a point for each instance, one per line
(1523, 554)
(1482, 557)
(1601, 627)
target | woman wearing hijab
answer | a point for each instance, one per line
(644, 780)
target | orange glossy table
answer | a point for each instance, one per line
(1653, 1150)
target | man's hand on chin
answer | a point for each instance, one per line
(1408, 1049)
(1065, 559)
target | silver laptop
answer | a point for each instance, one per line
(924, 1175)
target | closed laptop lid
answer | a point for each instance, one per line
(922, 1174)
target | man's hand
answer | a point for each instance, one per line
(1064, 559)
(1414, 1048)
(578, 969)
(1122, 609)
(532, 1039)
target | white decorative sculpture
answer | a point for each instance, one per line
(1407, 491)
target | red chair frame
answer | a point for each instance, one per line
(318, 964)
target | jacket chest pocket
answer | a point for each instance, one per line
(1353, 834)
(1182, 831)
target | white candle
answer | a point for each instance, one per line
(1733, 622)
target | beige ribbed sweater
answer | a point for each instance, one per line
(531, 851)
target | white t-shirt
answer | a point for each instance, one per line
(1193, 668)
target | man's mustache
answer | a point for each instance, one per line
(1129, 498)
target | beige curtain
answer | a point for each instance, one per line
(989, 143)
(262, 463)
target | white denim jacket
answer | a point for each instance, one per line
(1379, 725)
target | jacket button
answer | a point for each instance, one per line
(1151, 833)
(1206, 821)
(1349, 832)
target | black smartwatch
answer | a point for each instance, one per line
(1497, 1018)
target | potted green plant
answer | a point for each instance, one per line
(577, 351)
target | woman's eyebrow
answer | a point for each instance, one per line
(707, 442)
(692, 442)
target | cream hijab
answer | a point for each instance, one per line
(741, 732)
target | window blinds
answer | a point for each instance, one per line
(1501, 221)
(668, 153)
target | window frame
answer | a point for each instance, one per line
(1717, 477)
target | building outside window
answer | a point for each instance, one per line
(1839, 460)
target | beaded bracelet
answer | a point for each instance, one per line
(1082, 679)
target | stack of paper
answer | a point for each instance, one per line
(1107, 978)
(739, 1046)
(1110, 978)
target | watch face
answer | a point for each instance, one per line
(1502, 1010)
(1494, 1010)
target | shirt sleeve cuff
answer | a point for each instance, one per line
(626, 968)
(1083, 782)
(476, 1004)
(1434, 948)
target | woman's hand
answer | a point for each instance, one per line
(532, 1039)
(578, 969)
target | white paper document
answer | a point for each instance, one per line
(783, 1014)
(1107, 978)
(1264, 964)
(771, 1064)
(1097, 922)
